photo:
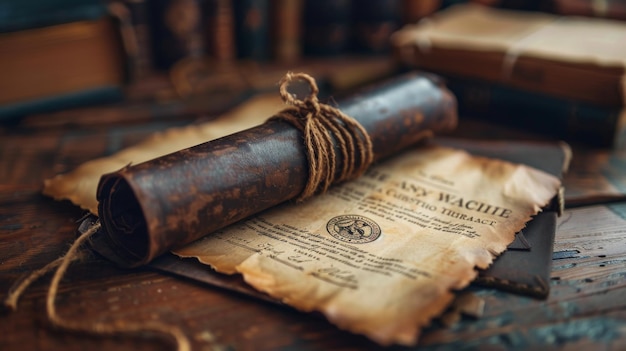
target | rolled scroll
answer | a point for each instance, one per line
(149, 208)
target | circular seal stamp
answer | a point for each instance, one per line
(353, 229)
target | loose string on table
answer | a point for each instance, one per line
(61, 264)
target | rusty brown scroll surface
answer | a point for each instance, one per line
(149, 208)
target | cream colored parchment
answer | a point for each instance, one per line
(381, 255)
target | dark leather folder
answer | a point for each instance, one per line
(526, 265)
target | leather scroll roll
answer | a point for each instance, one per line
(149, 208)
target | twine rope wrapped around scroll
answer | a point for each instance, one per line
(322, 124)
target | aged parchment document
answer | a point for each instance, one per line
(381, 255)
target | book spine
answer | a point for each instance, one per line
(252, 29)
(327, 27)
(374, 22)
(220, 30)
(177, 31)
(414, 10)
(566, 119)
(612, 9)
(286, 18)
(142, 60)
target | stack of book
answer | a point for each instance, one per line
(57, 54)
(559, 75)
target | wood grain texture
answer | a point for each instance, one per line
(585, 310)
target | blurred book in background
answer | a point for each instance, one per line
(327, 27)
(561, 118)
(544, 72)
(252, 29)
(286, 29)
(414, 10)
(55, 55)
(373, 24)
(134, 26)
(177, 31)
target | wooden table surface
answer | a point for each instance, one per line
(586, 309)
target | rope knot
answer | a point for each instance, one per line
(310, 103)
(326, 130)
